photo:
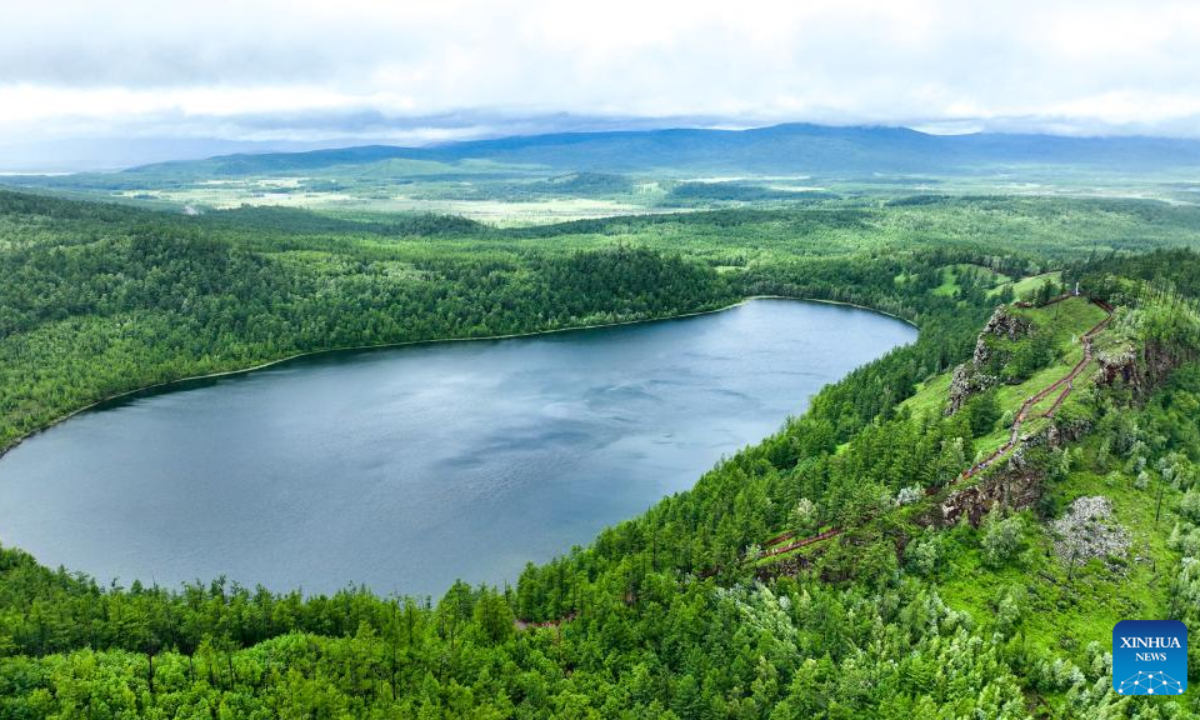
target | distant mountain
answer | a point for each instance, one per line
(89, 155)
(780, 149)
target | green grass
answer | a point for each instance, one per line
(931, 397)
(1064, 615)
(1067, 321)
(952, 275)
(1027, 287)
(1064, 320)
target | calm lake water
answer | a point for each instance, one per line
(407, 468)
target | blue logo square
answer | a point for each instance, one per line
(1150, 657)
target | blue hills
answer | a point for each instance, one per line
(790, 148)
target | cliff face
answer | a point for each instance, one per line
(1004, 323)
(973, 377)
(1017, 484)
(1118, 367)
(1016, 488)
(1141, 371)
(1159, 359)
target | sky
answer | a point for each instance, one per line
(162, 74)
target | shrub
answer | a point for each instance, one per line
(1002, 538)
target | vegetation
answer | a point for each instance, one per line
(552, 178)
(101, 302)
(682, 612)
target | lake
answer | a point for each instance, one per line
(406, 468)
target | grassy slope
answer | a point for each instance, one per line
(1061, 614)
(1063, 610)
(1027, 287)
(1067, 321)
(951, 274)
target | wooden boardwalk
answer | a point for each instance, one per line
(779, 544)
(786, 542)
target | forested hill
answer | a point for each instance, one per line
(778, 149)
(949, 532)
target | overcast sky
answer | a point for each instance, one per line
(414, 71)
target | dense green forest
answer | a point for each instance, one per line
(103, 299)
(683, 612)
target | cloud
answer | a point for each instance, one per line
(439, 69)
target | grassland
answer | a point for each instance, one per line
(952, 276)
(1027, 287)
(539, 180)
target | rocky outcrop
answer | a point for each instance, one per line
(1141, 371)
(965, 382)
(972, 377)
(1061, 433)
(790, 566)
(1016, 487)
(1160, 358)
(1004, 323)
(1087, 531)
(1017, 484)
(1117, 367)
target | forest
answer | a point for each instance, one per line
(902, 610)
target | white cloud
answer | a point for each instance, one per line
(368, 68)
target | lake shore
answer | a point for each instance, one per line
(524, 446)
(167, 385)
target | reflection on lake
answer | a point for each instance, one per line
(407, 468)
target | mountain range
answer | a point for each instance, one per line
(791, 148)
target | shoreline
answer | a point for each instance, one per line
(406, 343)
